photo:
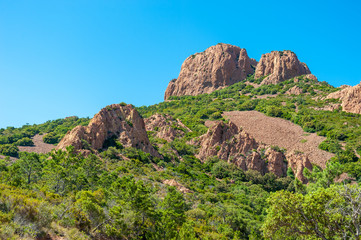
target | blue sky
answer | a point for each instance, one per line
(64, 58)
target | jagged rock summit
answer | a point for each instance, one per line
(116, 121)
(222, 65)
(217, 67)
(278, 66)
(350, 98)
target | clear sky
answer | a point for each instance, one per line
(73, 57)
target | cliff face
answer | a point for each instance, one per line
(114, 121)
(217, 67)
(350, 98)
(279, 66)
(231, 144)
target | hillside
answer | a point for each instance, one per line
(265, 153)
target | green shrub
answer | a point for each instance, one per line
(51, 138)
(24, 142)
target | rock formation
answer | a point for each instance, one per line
(226, 141)
(279, 66)
(276, 162)
(176, 184)
(350, 98)
(295, 90)
(232, 144)
(298, 162)
(229, 143)
(217, 67)
(115, 121)
(165, 127)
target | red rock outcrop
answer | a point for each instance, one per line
(276, 162)
(350, 98)
(295, 90)
(217, 67)
(298, 162)
(174, 183)
(114, 121)
(165, 127)
(229, 143)
(226, 141)
(279, 66)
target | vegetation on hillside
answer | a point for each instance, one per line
(121, 192)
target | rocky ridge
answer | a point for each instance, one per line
(217, 67)
(350, 98)
(116, 121)
(230, 143)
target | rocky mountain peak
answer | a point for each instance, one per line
(217, 67)
(278, 66)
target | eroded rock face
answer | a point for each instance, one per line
(229, 143)
(217, 67)
(226, 141)
(295, 90)
(276, 162)
(298, 162)
(350, 98)
(114, 121)
(165, 127)
(279, 66)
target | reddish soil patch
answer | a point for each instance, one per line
(210, 123)
(39, 146)
(282, 133)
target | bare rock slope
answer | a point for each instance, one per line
(282, 133)
(230, 143)
(114, 121)
(217, 67)
(278, 66)
(350, 98)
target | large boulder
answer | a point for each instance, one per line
(217, 67)
(278, 66)
(116, 121)
(350, 98)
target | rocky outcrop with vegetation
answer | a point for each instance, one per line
(116, 122)
(350, 98)
(165, 127)
(230, 143)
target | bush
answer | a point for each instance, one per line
(24, 142)
(51, 138)
(9, 150)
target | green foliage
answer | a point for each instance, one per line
(121, 193)
(24, 142)
(9, 150)
(51, 138)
